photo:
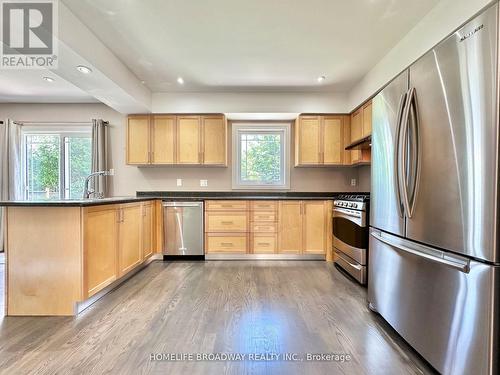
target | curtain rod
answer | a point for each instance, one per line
(58, 122)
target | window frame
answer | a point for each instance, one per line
(64, 132)
(283, 128)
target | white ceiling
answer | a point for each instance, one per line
(256, 45)
(28, 86)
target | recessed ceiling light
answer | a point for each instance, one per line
(143, 82)
(48, 79)
(180, 81)
(321, 79)
(84, 69)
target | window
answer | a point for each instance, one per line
(261, 156)
(56, 163)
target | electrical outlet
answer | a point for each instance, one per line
(353, 182)
(203, 183)
(179, 182)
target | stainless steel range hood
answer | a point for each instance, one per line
(361, 144)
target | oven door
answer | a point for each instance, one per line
(350, 233)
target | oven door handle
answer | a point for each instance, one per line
(358, 220)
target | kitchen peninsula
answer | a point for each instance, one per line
(63, 255)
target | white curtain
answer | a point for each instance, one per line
(10, 167)
(100, 154)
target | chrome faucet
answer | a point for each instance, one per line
(87, 191)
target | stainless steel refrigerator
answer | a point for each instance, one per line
(434, 263)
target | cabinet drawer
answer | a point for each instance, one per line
(226, 243)
(226, 222)
(264, 244)
(224, 205)
(264, 205)
(263, 227)
(264, 216)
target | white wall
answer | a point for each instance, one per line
(267, 102)
(364, 178)
(445, 17)
(129, 179)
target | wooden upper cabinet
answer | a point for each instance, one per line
(315, 227)
(173, 140)
(188, 140)
(290, 227)
(163, 139)
(214, 150)
(357, 125)
(138, 140)
(367, 119)
(319, 140)
(307, 140)
(361, 127)
(347, 140)
(333, 140)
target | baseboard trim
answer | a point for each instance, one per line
(80, 306)
(265, 256)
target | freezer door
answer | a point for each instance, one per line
(455, 131)
(445, 306)
(386, 210)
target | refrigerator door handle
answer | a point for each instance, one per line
(433, 255)
(397, 153)
(403, 152)
(415, 151)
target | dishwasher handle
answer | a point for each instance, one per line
(182, 204)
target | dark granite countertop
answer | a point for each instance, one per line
(240, 195)
(74, 202)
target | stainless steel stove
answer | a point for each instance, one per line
(350, 234)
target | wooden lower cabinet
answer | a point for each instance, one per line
(264, 243)
(130, 247)
(268, 227)
(148, 230)
(304, 227)
(264, 227)
(314, 227)
(117, 238)
(226, 221)
(290, 227)
(226, 205)
(59, 257)
(100, 248)
(235, 243)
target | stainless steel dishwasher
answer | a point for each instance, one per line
(183, 228)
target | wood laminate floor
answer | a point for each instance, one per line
(214, 307)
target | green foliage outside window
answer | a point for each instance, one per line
(44, 161)
(260, 158)
(80, 152)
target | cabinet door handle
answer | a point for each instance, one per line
(263, 244)
(226, 244)
(227, 222)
